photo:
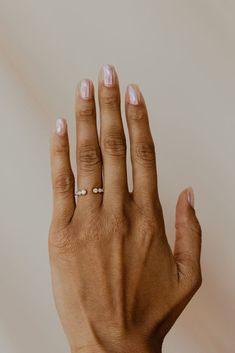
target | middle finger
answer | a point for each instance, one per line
(112, 137)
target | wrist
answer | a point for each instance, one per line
(88, 349)
(127, 347)
(128, 343)
(123, 350)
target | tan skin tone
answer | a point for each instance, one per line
(117, 284)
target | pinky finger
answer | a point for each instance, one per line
(62, 176)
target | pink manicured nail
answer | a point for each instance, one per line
(85, 89)
(108, 76)
(60, 126)
(190, 196)
(133, 95)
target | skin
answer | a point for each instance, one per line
(117, 284)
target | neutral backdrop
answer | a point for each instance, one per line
(182, 54)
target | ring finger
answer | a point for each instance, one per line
(89, 166)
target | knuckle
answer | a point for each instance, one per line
(85, 112)
(63, 182)
(61, 147)
(88, 157)
(145, 153)
(148, 232)
(192, 273)
(115, 145)
(190, 225)
(187, 259)
(62, 242)
(195, 280)
(116, 223)
(137, 114)
(148, 228)
(148, 224)
(111, 101)
(57, 238)
(154, 214)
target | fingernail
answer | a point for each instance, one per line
(133, 95)
(190, 196)
(108, 75)
(60, 126)
(85, 89)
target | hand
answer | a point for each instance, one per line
(117, 284)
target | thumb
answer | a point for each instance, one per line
(188, 234)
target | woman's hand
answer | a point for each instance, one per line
(117, 284)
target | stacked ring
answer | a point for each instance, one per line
(83, 192)
(97, 190)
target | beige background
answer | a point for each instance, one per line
(182, 55)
